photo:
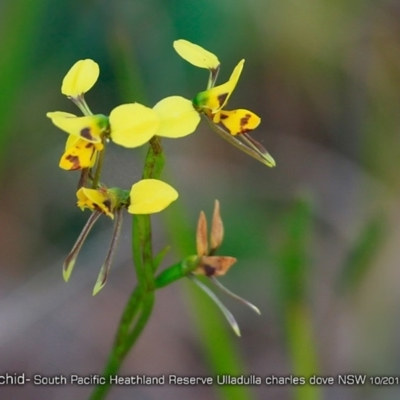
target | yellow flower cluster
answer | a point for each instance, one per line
(132, 125)
(129, 125)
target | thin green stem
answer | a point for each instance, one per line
(155, 160)
(99, 166)
(137, 251)
(142, 298)
(142, 225)
(147, 308)
(213, 77)
(119, 349)
(82, 105)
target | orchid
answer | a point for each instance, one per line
(147, 196)
(233, 125)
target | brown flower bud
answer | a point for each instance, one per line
(217, 229)
(201, 236)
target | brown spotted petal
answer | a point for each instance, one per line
(214, 265)
(79, 154)
(237, 122)
(100, 199)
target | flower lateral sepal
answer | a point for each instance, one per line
(105, 268)
(69, 262)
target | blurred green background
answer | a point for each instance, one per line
(317, 237)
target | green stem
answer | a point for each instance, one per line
(142, 225)
(99, 166)
(147, 308)
(155, 160)
(142, 298)
(137, 251)
(119, 349)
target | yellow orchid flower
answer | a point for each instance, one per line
(84, 141)
(213, 100)
(234, 125)
(150, 196)
(102, 200)
(80, 78)
(147, 196)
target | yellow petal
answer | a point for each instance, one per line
(80, 78)
(81, 154)
(217, 97)
(133, 125)
(72, 141)
(149, 196)
(96, 199)
(89, 128)
(178, 117)
(237, 121)
(195, 54)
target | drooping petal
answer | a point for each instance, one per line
(217, 97)
(195, 54)
(243, 143)
(69, 262)
(96, 200)
(79, 154)
(178, 117)
(80, 78)
(228, 315)
(132, 125)
(105, 268)
(237, 122)
(89, 128)
(149, 196)
(234, 295)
